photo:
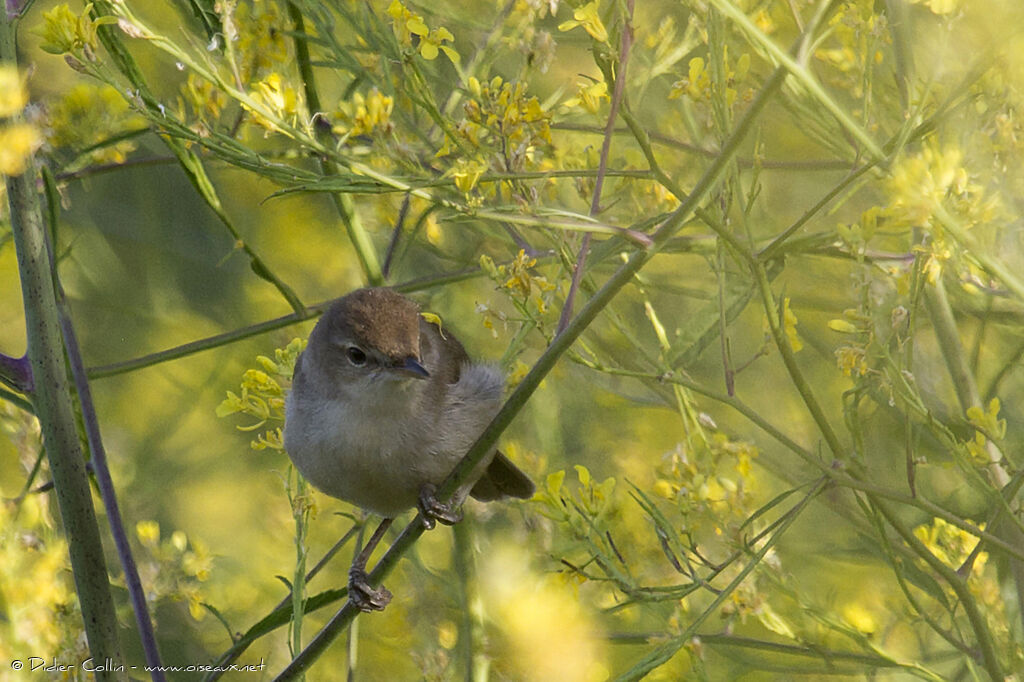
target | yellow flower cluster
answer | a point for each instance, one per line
(89, 114)
(18, 140)
(950, 544)
(588, 96)
(789, 324)
(466, 173)
(262, 394)
(709, 484)
(64, 32)
(517, 279)
(13, 94)
(429, 42)
(920, 182)
(205, 100)
(278, 97)
(587, 16)
(858, 34)
(852, 360)
(929, 182)
(173, 569)
(34, 580)
(988, 425)
(365, 115)
(592, 500)
(17, 143)
(502, 122)
(698, 84)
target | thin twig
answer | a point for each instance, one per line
(396, 235)
(136, 593)
(606, 144)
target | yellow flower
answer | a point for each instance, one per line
(281, 99)
(851, 360)
(789, 323)
(587, 17)
(17, 143)
(988, 420)
(89, 114)
(13, 96)
(366, 115)
(262, 394)
(697, 83)
(466, 173)
(589, 96)
(431, 43)
(148, 533)
(63, 31)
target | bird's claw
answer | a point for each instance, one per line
(433, 510)
(365, 596)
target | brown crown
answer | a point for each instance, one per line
(382, 319)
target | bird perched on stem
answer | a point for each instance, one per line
(383, 405)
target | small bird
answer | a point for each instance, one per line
(383, 405)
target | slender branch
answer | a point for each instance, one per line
(626, 41)
(669, 141)
(101, 470)
(100, 169)
(51, 398)
(98, 456)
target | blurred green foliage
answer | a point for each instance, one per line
(784, 437)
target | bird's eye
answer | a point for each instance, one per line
(356, 356)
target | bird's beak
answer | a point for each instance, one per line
(412, 367)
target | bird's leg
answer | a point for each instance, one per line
(361, 593)
(432, 509)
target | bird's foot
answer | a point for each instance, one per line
(433, 510)
(363, 595)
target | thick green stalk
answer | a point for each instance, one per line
(51, 397)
